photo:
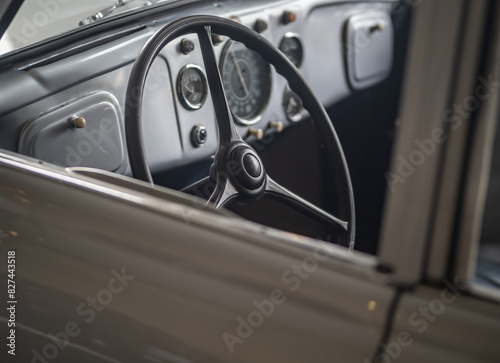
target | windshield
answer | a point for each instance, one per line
(38, 20)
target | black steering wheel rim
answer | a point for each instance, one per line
(203, 25)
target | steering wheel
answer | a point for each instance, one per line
(237, 170)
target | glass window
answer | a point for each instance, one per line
(488, 264)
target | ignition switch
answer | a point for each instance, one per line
(198, 135)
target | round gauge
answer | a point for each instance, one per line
(292, 104)
(247, 82)
(192, 87)
(291, 46)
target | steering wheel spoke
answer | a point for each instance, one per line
(224, 191)
(279, 192)
(227, 130)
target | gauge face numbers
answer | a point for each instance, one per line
(247, 82)
(292, 105)
(192, 87)
(291, 46)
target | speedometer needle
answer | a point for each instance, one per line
(240, 75)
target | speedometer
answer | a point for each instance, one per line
(247, 82)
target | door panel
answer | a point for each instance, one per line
(443, 325)
(121, 275)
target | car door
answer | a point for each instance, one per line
(451, 313)
(109, 270)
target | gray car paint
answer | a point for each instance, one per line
(195, 273)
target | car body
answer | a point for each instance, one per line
(101, 266)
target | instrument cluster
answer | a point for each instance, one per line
(250, 85)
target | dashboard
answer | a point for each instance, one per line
(73, 99)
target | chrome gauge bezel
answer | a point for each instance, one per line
(258, 117)
(182, 98)
(297, 37)
(296, 117)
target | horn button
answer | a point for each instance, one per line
(251, 165)
(250, 175)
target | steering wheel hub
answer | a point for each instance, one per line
(249, 174)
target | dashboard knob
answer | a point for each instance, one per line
(78, 122)
(288, 17)
(257, 133)
(235, 18)
(187, 46)
(217, 39)
(377, 28)
(260, 25)
(276, 126)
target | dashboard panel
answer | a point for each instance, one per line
(177, 131)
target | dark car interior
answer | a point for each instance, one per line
(64, 102)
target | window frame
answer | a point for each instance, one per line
(477, 175)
